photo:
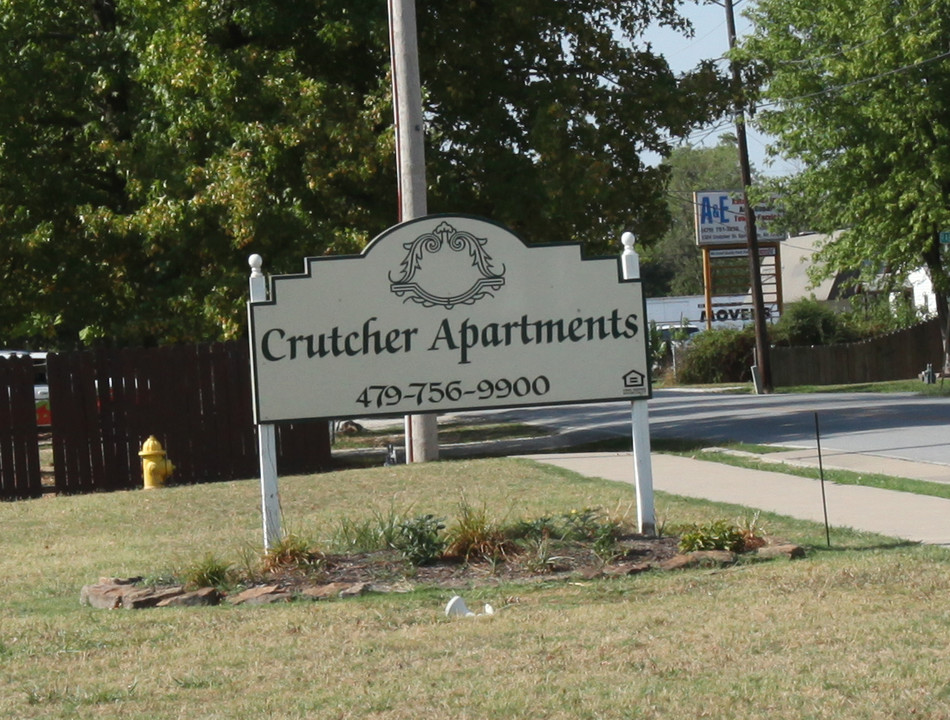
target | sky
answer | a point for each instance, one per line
(711, 41)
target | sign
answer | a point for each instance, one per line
(446, 313)
(945, 237)
(737, 315)
(721, 219)
(768, 251)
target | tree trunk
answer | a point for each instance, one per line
(941, 288)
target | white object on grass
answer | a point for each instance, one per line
(457, 606)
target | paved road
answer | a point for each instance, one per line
(904, 426)
(898, 425)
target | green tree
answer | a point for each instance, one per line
(673, 266)
(150, 147)
(858, 93)
(147, 148)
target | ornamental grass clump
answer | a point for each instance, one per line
(291, 553)
(207, 571)
(380, 532)
(475, 536)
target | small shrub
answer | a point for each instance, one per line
(420, 540)
(660, 351)
(537, 529)
(580, 524)
(718, 535)
(248, 567)
(872, 315)
(811, 322)
(605, 542)
(717, 356)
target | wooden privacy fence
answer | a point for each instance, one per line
(899, 355)
(195, 399)
(19, 449)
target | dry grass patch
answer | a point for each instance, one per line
(854, 632)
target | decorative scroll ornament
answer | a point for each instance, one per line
(446, 267)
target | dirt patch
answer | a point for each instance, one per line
(326, 577)
(388, 570)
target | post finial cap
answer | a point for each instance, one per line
(256, 262)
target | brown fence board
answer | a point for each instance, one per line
(303, 447)
(244, 441)
(900, 355)
(77, 448)
(19, 440)
(220, 410)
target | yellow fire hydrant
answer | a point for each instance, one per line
(155, 466)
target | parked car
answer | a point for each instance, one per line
(40, 383)
(677, 332)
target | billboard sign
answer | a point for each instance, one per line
(721, 219)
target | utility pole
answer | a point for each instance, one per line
(763, 362)
(422, 434)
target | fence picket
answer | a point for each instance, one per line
(19, 439)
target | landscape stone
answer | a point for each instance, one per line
(104, 596)
(356, 589)
(626, 569)
(324, 592)
(336, 590)
(202, 596)
(789, 550)
(590, 572)
(699, 558)
(261, 595)
(149, 597)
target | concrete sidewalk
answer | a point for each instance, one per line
(861, 463)
(920, 518)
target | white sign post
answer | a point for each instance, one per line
(640, 419)
(450, 313)
(266, 435)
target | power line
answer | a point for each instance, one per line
(854, 83)
(852, 48)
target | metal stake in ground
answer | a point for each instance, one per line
(821, 474)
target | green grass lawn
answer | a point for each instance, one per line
(859, 631)
(939, 388)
